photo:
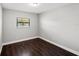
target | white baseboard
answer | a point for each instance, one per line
(66, 48)
(0, 50)
(19, 40)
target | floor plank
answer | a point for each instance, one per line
(34, 47)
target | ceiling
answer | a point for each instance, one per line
(43, 7)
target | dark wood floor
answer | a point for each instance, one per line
(34, 47)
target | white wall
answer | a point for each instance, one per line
(11, 32)
(61, 26)
(0, 28)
